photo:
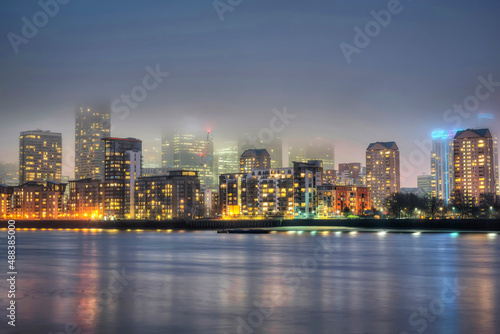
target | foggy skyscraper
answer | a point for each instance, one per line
(92, 123)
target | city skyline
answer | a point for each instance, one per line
(253, 62)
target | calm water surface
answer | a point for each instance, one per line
(155, 282)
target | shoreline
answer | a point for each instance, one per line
(402, 225)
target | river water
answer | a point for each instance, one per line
(204, 282)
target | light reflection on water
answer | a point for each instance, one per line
(204, 282)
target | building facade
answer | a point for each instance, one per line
(442, 165)
(190, 151)
(122, 166)
(92, 123)
(382, 171)
(337, 200)
(424, 182)
(474, 165)
(254, 159)
(172, 196)
(38, 200)
(307, 176)
(40, 156)
(86, 199)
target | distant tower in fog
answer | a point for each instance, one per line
(92, 123)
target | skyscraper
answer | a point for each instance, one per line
(382, 171)
(442, 165)
(227, 158)
(92, 123)
(474, 165)
(40, 156)
(315, 149)
(486, 120)
(122, 166)
(190, 151)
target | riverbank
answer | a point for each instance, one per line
(479, 225)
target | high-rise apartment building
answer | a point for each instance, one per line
(122, 166)
(474, 164)
(92, 123)
(442, 165)
(40, 156)
(252, 160)
(382, 171)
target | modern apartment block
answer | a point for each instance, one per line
(92, 124)
(86, 199)
(40, 156)
(38, 200)
(172, 196)
(474, 164)
(254, 159)
(307, 176)
(335, 200)
(442, 165)
(258, 193)
(382, 171)
(122, 166)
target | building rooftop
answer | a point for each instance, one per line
(475, 132)
(385, 145)
(255, 152)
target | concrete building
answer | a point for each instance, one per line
(253, 159)
(382, 171)
(92, 123)
(474, 165)
(442, 165)
(40, 156)
(86, 199)
(123, 166)
(172, 196)
(351, 174)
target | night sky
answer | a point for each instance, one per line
(228, 75)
